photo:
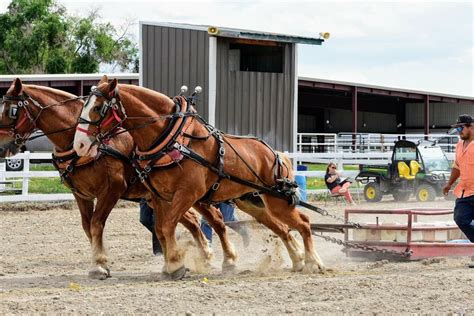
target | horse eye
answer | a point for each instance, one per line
(98, 108)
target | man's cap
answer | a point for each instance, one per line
(463, 119)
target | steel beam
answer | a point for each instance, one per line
(427, 115)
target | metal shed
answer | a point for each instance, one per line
(249, 78)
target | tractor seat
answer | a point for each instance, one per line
(415, 167)
(404, 171)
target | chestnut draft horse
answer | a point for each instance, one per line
(229, 167)
(107, 177)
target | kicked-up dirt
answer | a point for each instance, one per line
(45, 258)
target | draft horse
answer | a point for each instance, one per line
(106, 177)
(203, 165)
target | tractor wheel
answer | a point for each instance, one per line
(372, 192)
(425, 193)
(401, 196)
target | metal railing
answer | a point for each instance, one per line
(313, 148)
(365, 142)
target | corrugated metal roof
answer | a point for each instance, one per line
(62, 77)
(355, 84)
(244, 34)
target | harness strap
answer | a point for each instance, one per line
(110, 151)
(274, 191)
(219, 164)
(65, 172)
(171, 130)
(196, 137)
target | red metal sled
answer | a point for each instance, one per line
(405, 238)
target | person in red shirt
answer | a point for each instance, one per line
(463, 168)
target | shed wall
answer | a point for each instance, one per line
(256, 103)
(173, 57)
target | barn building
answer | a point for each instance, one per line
(251, 87)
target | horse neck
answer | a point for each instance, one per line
(142, 102)
(56, 118)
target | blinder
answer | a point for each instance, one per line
(111, 103)
(14, 108)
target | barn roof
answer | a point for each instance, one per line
(244, 34)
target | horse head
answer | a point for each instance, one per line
(101, 116)
(16, 122)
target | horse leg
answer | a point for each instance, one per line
(191, 222)
(159, 207)
(299, 221)
(86, 208)
(215, 219)
(166, 228)
(281, 230)
(103, 208)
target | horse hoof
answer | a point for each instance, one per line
(311, 267)
(298, 266)
(99, 273)
(228, 268)
(178, 274)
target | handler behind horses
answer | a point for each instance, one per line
(147, 218)
(335, 185)
(463, 168)
(228, 212)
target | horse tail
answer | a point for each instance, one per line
(287, 166)
(288, 172)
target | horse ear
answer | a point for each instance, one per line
(104, 79)
(18, 86)
(113, 85)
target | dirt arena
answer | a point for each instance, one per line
(45, 258)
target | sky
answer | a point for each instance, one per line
(419, 45)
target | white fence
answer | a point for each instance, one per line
(9, 178)
(341, 158)
(365, 142)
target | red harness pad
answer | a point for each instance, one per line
(174, 155)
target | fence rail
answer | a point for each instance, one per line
(365, 142)
(338, 148)
(8, 178)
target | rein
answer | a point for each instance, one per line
(22, 102)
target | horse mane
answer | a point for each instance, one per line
(138, 93)
(50, 91)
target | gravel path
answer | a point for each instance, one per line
(44, 260)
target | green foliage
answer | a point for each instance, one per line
(37, 36)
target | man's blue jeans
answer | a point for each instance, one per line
(228, 213)
(464, 215)
(147, 218)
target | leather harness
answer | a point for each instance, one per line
(173, 145)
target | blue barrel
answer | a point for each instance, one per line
(301, 168)
(301, 181)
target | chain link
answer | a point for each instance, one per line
(364, 247)
(341, 219)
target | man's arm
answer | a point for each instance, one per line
(455, 173)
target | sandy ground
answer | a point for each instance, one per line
(44, 260)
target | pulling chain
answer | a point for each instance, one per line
(348, 244)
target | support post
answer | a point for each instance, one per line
(427, 116)
(212, 89)
(354, 117)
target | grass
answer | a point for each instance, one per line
(46, 185)
(43, 185)
(54, 185)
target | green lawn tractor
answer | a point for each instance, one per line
(422, 169)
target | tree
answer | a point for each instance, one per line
(38, 36)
